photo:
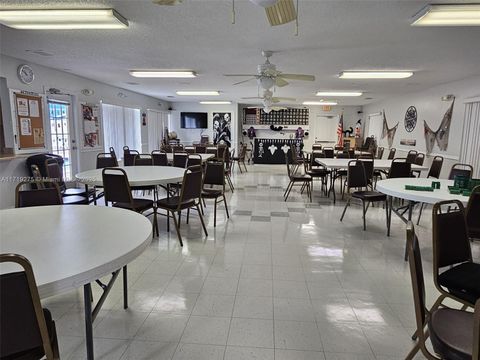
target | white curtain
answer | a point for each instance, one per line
(156, 122)
(470, 151)
(121, 126)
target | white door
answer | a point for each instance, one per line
(62, 133)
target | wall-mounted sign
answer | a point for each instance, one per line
(408, 142)
(410, 119)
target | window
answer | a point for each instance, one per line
(121, 126)
(470, 152)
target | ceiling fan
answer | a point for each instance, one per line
(268, 100)
(268, 76)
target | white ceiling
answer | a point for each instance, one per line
(333, 36)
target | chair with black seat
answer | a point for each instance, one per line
(399, 168)
(411, 156)
(419, 160)
(222, 149)
(460, 170)
(143, 160)
(180, 160)
(129, 156)
(27, 331)
(190, 196)
(200, 149)
(77, 196)
(351, 153)
(472, 214)
(358, 175)
(315, 170)
(304, 180)
(454, 334)
(380, 152)
(46, 193)
(391, 154)
(112, 152)
(215, 176)
(435, 167)
(329, 152)
(194, 159)
(455, 274)
(178, 149)
(316, 147)
(240, 159)
(105, 160)
(119, 194)
(159, 158)
(190, 150)
(228, 168)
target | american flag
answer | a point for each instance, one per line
(340, 130)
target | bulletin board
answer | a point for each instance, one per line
(29, 121)
(91, 127)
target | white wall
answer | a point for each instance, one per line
(430, 108)
(187, 136)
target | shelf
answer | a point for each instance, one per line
(267, 127)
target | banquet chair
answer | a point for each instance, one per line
(304, 180)
(460, 170)
(359, 175)
(315, 170)
(159, 158)
(419, 160)
(119, 193)
(105, 160)
(189, 150)
(143, 160)
(329, 152)
(434, 172)
(200, 149)
(78, 196)
(454, 334)
(180, 160)
(411, 156)
(178, 148)
(214, 175)
(316, 147)
(190, 196)
(240, 159)
(222, 149)
(351, 153)
(391, 154)
(194, 159)
(472, 214)
(41, 196)
(400, 168)
(380, 151)
(27, 331)
(129, 156)
(228, 168)
(455, 275)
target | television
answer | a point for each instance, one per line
(193, 120)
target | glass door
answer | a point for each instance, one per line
(60, 134)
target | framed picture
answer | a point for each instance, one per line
(222, 128)
(91, 134)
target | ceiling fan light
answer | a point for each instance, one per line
(266, 82)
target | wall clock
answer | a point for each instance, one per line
(25, 74)
(410, 119)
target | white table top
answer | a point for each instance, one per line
(137, 175)
(357, 152)
(396, 188)
(377, 164)
(72, 245)
(205, 157)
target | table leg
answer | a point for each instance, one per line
(125, 288)
(410, 211)
(389, 218)
(87, 290)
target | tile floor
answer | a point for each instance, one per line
(279, 280)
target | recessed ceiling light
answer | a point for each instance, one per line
(163, 73)
(448, 15)
(198, 93)
(63, 19)
(339, 93)
(375, 74)
(319, 103)
(220, 102)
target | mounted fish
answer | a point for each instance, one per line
(389, 133)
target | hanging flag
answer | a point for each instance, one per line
(340, 131)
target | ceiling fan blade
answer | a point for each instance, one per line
(167, 2)
(240, 75)
(278, 108)
(280, 82)
(301, 77)
(285, 98)
(282, 12)
(244, 81)
(253, 97)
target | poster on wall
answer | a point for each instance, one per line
(222, 128)
(441, 135)
(91, 127)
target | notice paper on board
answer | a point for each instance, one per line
(25, 127)
(34, 108)
(22, 107)
(38, 136)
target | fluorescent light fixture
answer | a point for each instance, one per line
(220, 102)
(163, 73)
(319, 103)
(339, 93)
(63, 19)
(376, 74)
(448, 15)
(198, 93)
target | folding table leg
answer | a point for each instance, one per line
(88, 320)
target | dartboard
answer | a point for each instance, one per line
(411, 118)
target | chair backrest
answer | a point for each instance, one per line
(343, 155)
(106, 160)
(243, 152)
(54, 172)
(143, 160)
(436, 167)
(37, 176)
(47, 193)
(356, 176)
(200, 149)
(316, 147)
(450, 237)
(180, 160)
(419, 159)
(380, 151)
(222, 149)
(112, 152)
(194, 159)
(460, 170)
(411, 156)
(189, 150)
(418, 281)
(328, 152)
(159, 158)
(472, 213)
(191, 184)
(211, 150)
(116, 186)
(214, 174)
(129, 156)
(391, 154)
(178, 148)
(400, 168)
(23, 326)
(351, 153)
(290, 170)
